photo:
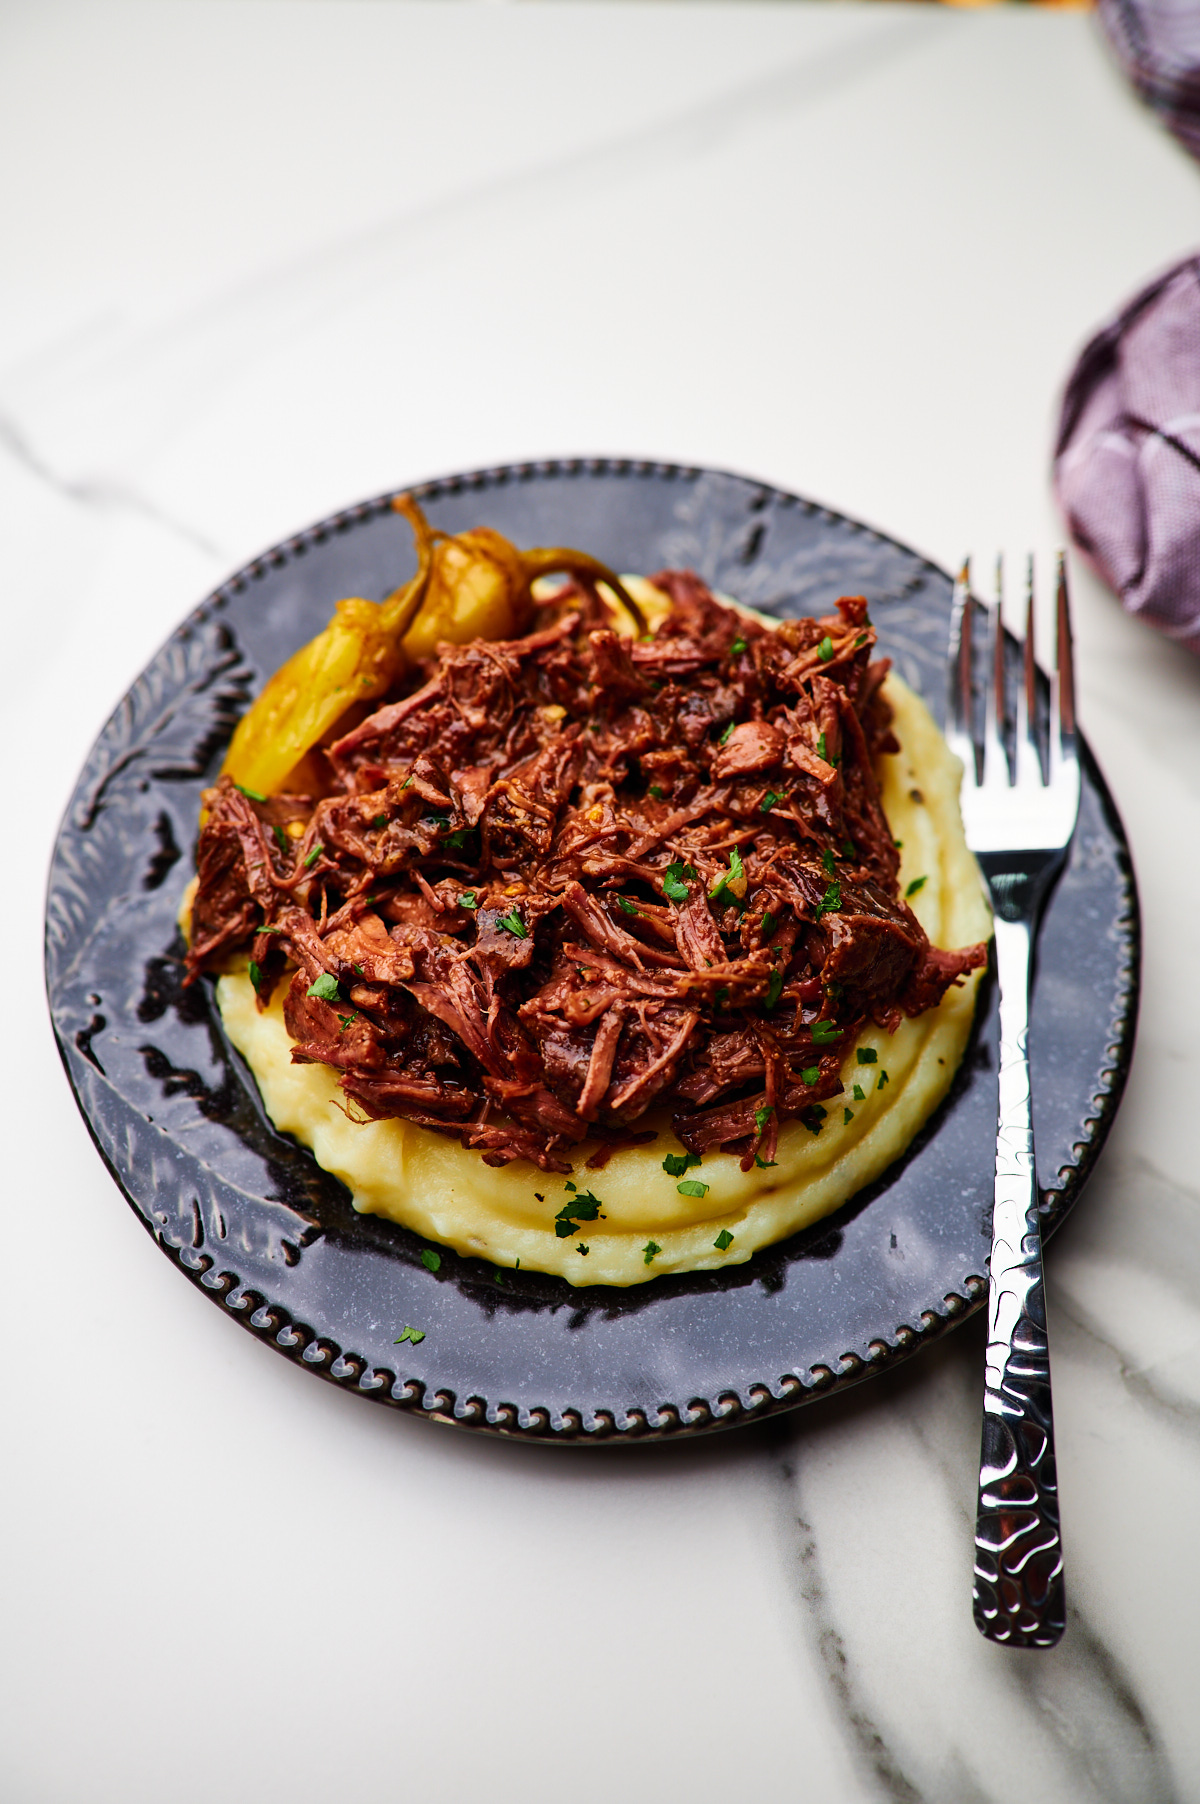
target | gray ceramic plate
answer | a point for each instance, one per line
(249, 1216)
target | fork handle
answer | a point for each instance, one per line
(1019, 1594)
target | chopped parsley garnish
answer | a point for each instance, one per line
(724, 1239)
(281, 838)
(656, 792)
(861, 640)
(825, 649)
(675, 1164)
(866, 1055)
(827, 860)
(848, 850)
(512, 923)
(847, 1117)
(255, 974)
(859, 1093)
(739, 645)
(692, 1187)
(813, 1117)
(497, 1274)
(774, 989)
(769, 800)
(765, 1164)
(379, 821)
(883, 1078)
(580, 1248)
(435, 820)
(347, 1019)
(250, 794)
(626, 906)
(916, 884)
(735, 874)
(459, 838)
(468, 899)
(412, 1334)
(268, 930)
(726, 734)
(721, 996)
(430, 1260)
(325, 988)
(768, 925)
(673, 889)
(821, 752)
(831, 901)
(313, 856)
(582, 1207)
(651, 1247)
(761, 1118)
(825, 1032)
(811, 1074)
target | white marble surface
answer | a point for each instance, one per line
(260, 259)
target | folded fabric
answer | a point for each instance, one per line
(1158, 42)
(1127, 460)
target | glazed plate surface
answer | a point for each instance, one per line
(249, 1216)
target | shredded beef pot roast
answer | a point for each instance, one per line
(568, 878)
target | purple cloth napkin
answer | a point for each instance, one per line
(1158, 42)
(1127, 461)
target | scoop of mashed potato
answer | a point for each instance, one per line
(646, 1225)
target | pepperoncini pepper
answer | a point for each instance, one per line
(471, 585)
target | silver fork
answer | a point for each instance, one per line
(1019, 829)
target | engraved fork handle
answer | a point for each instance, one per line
(1019, 1593)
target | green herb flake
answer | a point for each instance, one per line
(626, 906)
(407, 783)
(769, 801)
(650, 1249)
(831, 901)
(825, 649)
(811, 1074)
(738, 646)
(281, 839)
(325, 988)
(347, 1019)
(458, 839)
(825, 1032)
(774, 989)
(581, 1207)
(255, 974)
(726, 734)
(768, 925)
(765, 1164)
(692, 1187)
(379, 821)
(497, 1274)
(916, 884)
(861, 640)
(430, 1260)
(847, 1117)
(734, 874)
(313, 856)
(821, 752)
(512, 923)
(468, 899)
(721, 996)
(761, 1118)
(673, 889)
(859, 1093)
(848, 850)
(580, 1248)
(867, 1055)
(827, 860)
(415, 1335)
(251, 795)
(655, 792)
(723, 1241)
(883, 1079)
(675, 1164)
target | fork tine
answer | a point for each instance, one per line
(1029, 765)
(959, 725)
(996, 773)
(1062, 683)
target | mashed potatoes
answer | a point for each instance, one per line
(893, 1082)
